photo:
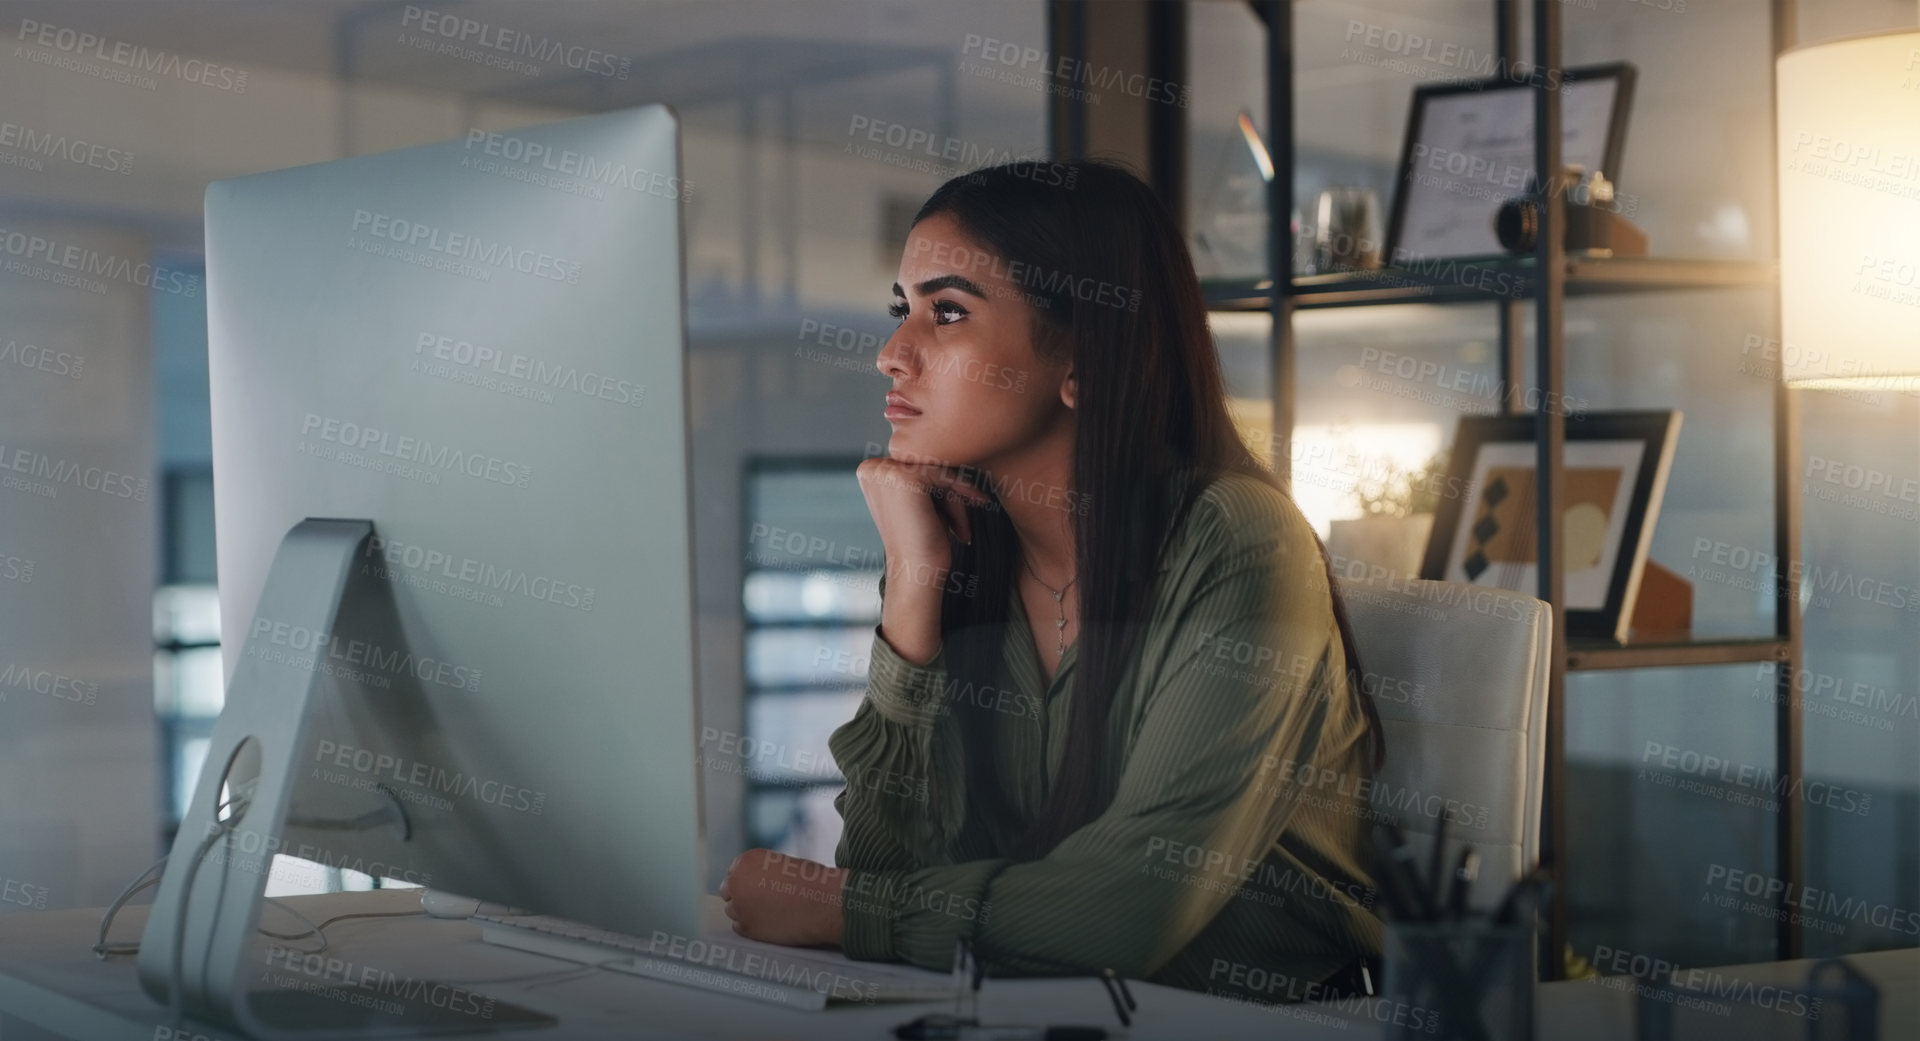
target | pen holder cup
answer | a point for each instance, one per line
(1465, 980)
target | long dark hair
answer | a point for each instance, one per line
(1113, 288)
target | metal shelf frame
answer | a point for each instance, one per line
(1476, 279)
(1546, 279)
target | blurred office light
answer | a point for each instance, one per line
(1848, 137)
(810, 593)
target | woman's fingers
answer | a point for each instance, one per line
(956, 512)
(932, 478)
(950, 480)
(954, 493)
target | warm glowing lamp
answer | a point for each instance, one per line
(1848, 137)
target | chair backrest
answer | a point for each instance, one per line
(1459, 674)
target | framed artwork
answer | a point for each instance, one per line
(1469, 148)
(1616, 466)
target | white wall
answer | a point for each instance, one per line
(78, 770)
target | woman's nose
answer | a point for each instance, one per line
(892, 360)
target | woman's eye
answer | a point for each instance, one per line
(945, 312)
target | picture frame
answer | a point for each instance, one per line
(1469, 148)
(1615, 474)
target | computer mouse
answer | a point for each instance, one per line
(447, 905)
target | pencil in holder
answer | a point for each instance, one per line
(1464, 979)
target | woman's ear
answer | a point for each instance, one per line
(1069, 390)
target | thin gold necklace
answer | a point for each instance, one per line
(1059, 597)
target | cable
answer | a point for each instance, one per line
(371, 914)
(175, 983)
(394, 812)
(584, 971)
(539, 979)
(141, 882)
(238, 801)
(312, 929)
(103, 950)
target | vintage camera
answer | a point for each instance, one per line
(1594, 224)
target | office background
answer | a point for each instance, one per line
(803, 121)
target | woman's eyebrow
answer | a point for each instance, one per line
(939, 282)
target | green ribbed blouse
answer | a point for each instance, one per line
(1230, 858)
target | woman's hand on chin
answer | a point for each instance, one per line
(786, 900)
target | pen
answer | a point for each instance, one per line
(1511, 902)
(1464, 873)
(1018, 1033)
(959, 977)
(1117, 992)
(1400, 867)
(1388, 884)
(978, 972)
(1437, 883)
(949, 1030)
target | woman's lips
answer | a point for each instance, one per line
(899, 408)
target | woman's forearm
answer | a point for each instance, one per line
(910, 612)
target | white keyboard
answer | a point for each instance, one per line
(720, 961)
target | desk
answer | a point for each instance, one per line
(50, 981)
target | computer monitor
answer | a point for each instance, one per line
(479, 347)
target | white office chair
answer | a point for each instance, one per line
(1459, 674)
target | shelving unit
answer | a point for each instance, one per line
(1545, 279)
(1464, 281)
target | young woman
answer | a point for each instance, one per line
(1113, 715)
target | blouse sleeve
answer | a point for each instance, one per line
(898, 804)
(1201, 775)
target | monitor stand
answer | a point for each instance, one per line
(200, 932)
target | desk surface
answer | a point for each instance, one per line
(50, 979)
